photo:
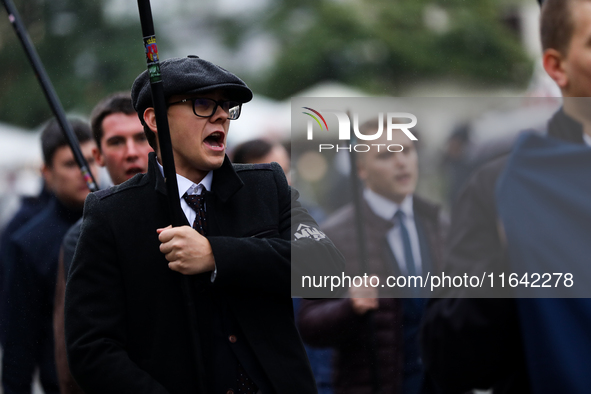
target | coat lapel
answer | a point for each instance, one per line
(156, 179)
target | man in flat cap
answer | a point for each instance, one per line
(131, 325)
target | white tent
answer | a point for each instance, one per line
(261, 117)
(20, 160)
(18, 147)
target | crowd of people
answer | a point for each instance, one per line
(100, 293)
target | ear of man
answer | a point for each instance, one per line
(47, 174)
(555, 66)
(150, 119)
(98, 157)
(150, 122)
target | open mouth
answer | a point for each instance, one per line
(132, 171)
(215, 140)
(403, 178)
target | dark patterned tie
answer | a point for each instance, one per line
(245, 383)
(197, 203)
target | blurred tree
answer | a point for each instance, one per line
(84, 54)
(377, 45)
(383, 45)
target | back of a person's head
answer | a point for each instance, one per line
(252, 151)
(119, 102)
(53, 138)
(556, 24)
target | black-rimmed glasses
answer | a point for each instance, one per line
(206, 107)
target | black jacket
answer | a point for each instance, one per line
(30, 206)
(127, 326)
(30, 274)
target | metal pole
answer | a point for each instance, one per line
(160, 109)
(362, 256)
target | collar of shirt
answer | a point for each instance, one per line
(187, 186)
(386, 208)
(587, 139)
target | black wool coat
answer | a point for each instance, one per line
(127, 323)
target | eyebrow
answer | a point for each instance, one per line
(115, 138)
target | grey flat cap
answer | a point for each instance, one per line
(188, 75)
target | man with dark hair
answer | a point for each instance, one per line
(201, 309)
(479, 343)
(59, 168)
(123, 149)
(32, 264)
(565, 32)
(404, 237)
(150, 135)
(121, 144)
(262, 151)
(249, 151)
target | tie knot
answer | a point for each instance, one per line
(195, 201)
(399, 216)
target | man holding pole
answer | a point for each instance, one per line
(130, 328)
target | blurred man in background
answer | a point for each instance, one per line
(262, 151)
(403, 235)
(31, 264)
(122, 147)
(480, 343)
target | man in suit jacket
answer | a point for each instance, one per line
(389, 210)
(131, 324)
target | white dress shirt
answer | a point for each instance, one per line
(187, 186)
(386, 209)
